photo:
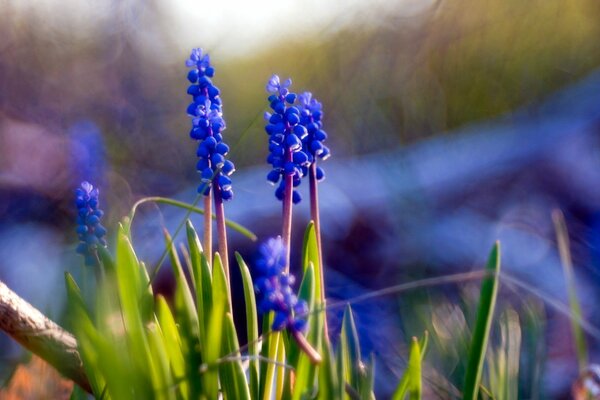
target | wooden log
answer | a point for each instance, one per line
(43, 337)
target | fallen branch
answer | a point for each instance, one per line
(38, 334)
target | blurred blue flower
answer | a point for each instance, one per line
(89, 230)
(285, 138)
(312, 144)
(274, 288)
(207, 126)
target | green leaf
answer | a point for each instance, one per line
(183, 296)
(251, 325)
(233, 378)
(367, 380)
(78, 393)
(213, 350)
(83, 326)
(173, 346)
(414, 368)
(481, 333)
(411, 379)
(310, 254)
(350, 349)
(164, 385)
(329, 385)
(133, 295)
(306, 371)
(269, 352)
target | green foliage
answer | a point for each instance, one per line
(562, 238)
(483, 324)
(410, 383)
(135, 344)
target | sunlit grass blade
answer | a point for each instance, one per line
(214, 343)
(190, 207)
(310, 254)
(410, 383)
(251, 325)
(329, 385)
(163, 380)
(414, 368)
(183, 296)
(137, 310)
(562, 239)
(173, 347)
(83, 326)
(279, 369)
(367, 380)
(268, 353)
(233, 378)
(305, 370)
(202, 289)
(483, 323)
(350, 349)
(503, 361)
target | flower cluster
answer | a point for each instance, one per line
(286, 134)
(275, 288)
(207, 125)
(310, 117)
(89, 230)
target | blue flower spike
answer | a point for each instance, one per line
(274, 288)
(286, 154)
(207, 126)
(89, 230)
(311, 115)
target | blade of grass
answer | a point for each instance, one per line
(305, 369)
(411, 379)
(172, 342)
(562, 239)
(481, 333)
(190, 207)
(251, 325)
(350, 349)
(233, 378)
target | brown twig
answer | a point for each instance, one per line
(38, 334)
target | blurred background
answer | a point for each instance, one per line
(452, 124)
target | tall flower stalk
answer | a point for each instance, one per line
(207, 127)
(286, 157)
(90, 231)
(312, 144)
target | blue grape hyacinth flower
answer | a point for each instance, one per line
(275, 291)
(286, 154)
(311, 115)
(207, 126)
(89, 230)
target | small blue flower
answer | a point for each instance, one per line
(311, 115)
(89, 230)
(286, 154)
(207, 126)
(274, 288)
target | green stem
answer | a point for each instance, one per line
(191, 208)
(314, 215)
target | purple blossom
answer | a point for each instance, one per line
(89, 230)
(274, 288)
(207, 126)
